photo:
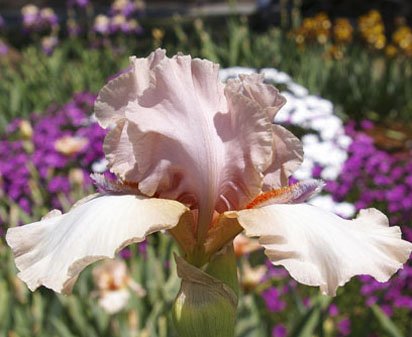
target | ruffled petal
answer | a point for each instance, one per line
(253, 87)
(53, 251)
(192, 140)
(287, 157)
(318, 248)
(112, 100)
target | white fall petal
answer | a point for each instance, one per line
(318, 248)
(53, 251)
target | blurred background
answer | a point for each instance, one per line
(345, 68)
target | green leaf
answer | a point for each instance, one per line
(249, 321)
(386, 323)
(307, 324)
(61, 328)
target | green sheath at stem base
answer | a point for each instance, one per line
(207, 301)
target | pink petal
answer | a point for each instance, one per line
(253, 87)
(287, 157)
(187, 138)
(113, 98)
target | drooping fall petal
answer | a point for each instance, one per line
(318, 248)
(53, 251)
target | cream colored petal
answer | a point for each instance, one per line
(318, 248)
(52, 252)
(287, 157)
(113, 301)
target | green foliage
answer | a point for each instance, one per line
(363, 84)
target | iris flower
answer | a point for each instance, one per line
(203, 161)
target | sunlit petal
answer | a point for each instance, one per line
(53, 251)
(188, 138)
(287, 157)
(253, 87)
(319, 248)
(112, 100)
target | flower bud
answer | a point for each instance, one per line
(205, 306)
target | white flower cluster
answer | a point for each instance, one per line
(325, 144)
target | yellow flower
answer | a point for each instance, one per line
(402, 39)
(342, 31)
(158, 34)
(372, 29)
(314, 29)
(391, 50)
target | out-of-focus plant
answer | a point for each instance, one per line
(42, 26)
(402, 40)
(342, 31)
(360, 81)
(276, 306)
(39, 158)
(314, 29)
(372, 29)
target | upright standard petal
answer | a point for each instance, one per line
(187, 138)
(286, 159)
(113, 98)
(53, 251)
(319, 248)
(253, 87)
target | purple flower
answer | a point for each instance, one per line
(333, 310)
(367, 124)
(59, 184)
(272, 300)
(4, 48)
(49, 43)
(48, 17)
(126, 8)
(279, 330)
(31, 17)
(78, 3)
(36, 20)
(404, 302)
(54, 168)
(316, 171)
(344, 327)
(387, 309)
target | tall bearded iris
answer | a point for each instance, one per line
(203, 161)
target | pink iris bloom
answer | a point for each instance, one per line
(203, 161)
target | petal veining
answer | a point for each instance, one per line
(192, 140)
(53, 251)
(318, 248)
